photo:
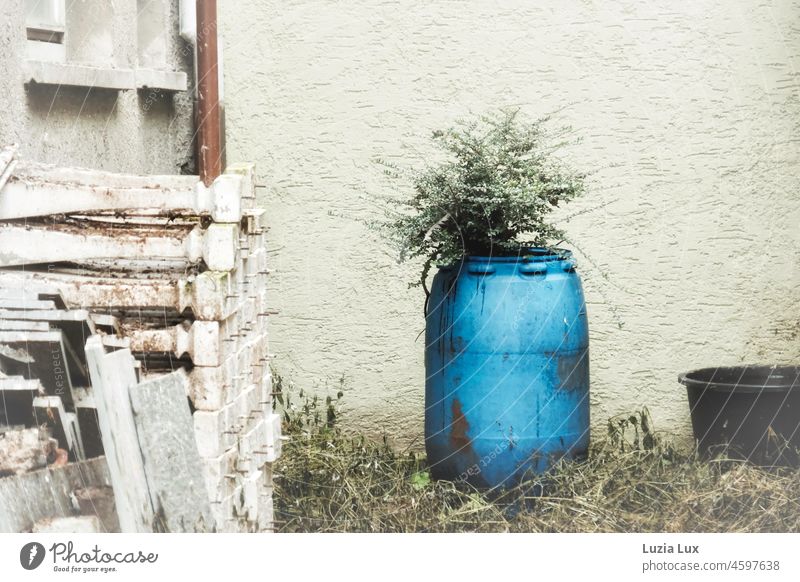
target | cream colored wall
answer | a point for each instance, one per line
(689, 115)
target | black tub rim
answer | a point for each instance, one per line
(703, 378)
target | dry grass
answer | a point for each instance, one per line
(635, 480)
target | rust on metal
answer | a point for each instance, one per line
(209, 135)
(459, 428)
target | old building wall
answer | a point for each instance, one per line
(133, 130)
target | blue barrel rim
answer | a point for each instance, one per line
(525, 255)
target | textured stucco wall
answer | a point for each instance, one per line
(689, 115)
(143, 131)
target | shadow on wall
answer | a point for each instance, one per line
(156, 102)
(71, 101)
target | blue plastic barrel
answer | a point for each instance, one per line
(507, 366)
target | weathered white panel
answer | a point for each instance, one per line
(211, 295)
(215, 245)
(39, 190)
(112, 376)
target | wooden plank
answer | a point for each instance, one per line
(112, 378)
(171, 460)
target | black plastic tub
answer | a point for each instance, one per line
(747, 412)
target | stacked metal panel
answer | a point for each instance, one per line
(178, 270)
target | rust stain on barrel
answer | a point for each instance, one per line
(459, 427)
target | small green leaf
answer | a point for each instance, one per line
(420, 480)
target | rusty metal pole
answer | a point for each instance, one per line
(209, 137)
